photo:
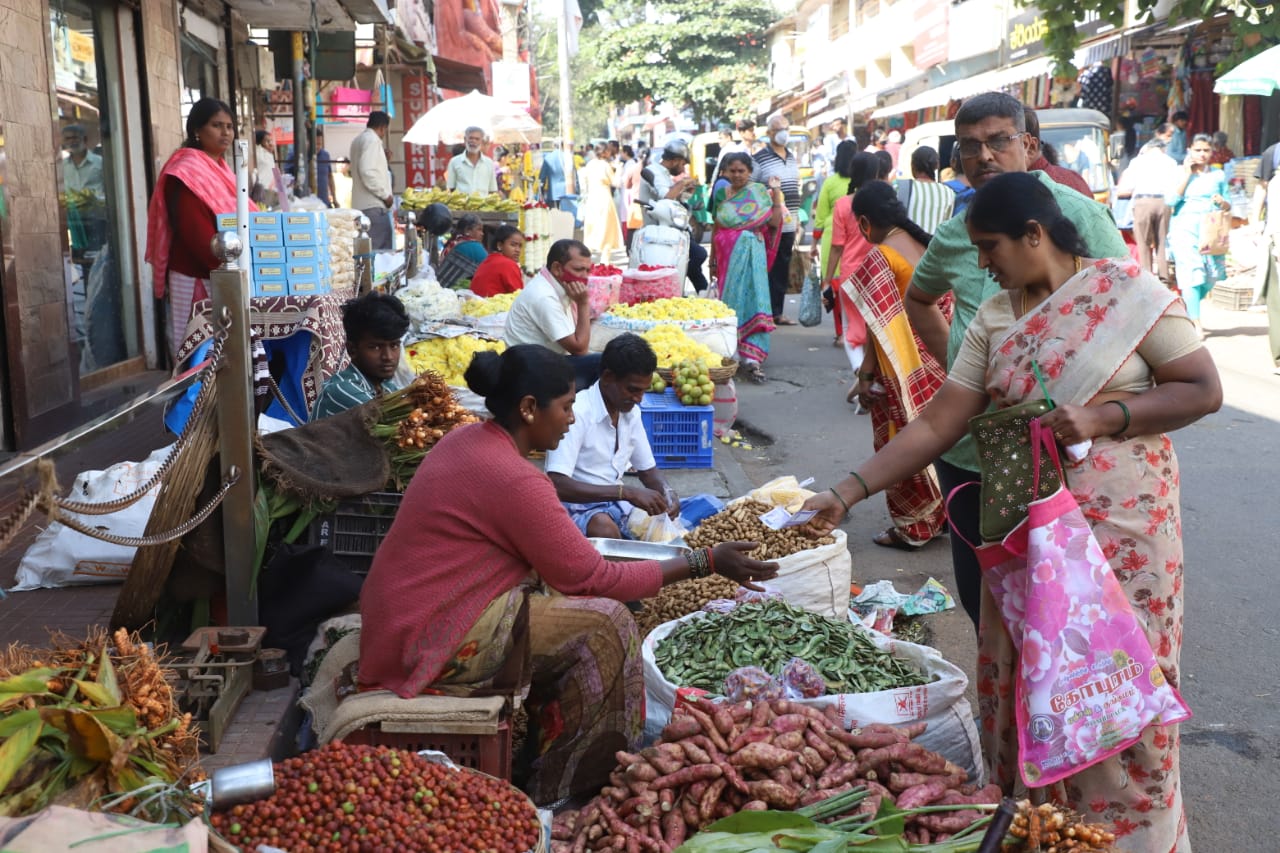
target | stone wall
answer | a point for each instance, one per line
(42, 375)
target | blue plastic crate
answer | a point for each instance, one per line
(681, 436)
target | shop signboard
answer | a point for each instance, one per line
(416, 98)
(1026, 31)
(511, 83)
(931, 44)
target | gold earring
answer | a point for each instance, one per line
(528, 418)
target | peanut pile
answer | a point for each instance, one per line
(681, 599)
(741, 523)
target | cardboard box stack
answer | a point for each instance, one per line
(288, 252)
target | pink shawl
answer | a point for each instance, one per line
(211, 180)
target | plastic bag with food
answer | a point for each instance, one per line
(801, 681)
(655, 528)
(751, 683)
(785, 491)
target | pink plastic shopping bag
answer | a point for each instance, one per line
(1088, 682)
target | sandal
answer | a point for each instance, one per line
(756, 374)
(783, 321)
(891, 538)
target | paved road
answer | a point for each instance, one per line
(1230, 468)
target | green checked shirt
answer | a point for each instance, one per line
(951, 264)
(347, 389)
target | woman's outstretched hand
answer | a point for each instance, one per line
(830, 513)
(731, 561)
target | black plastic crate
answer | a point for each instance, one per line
(355, 529)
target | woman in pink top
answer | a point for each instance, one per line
(484, 585)
(850, 248)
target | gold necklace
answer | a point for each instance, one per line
(894, 230)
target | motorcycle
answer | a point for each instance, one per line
(665, 243)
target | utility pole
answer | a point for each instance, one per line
(301, 152)
(566, 98)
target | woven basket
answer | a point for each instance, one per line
(719, 375)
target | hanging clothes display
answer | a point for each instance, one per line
(1096, 86)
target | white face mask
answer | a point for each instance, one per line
(781, 137)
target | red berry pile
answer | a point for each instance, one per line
(365, 798)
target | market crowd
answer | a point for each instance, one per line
(1000, 286)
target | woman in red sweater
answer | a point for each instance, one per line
(484, 584)
(500, 272)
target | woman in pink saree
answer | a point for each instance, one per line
(1124, 365)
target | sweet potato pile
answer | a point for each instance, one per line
(714, 760)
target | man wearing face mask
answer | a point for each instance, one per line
(552, 310)
(775, 160)
(991, 137)
(668, 181)
(472, 172)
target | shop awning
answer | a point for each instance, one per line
(331, 14)
(987, 81)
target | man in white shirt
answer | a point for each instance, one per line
(607, 438)
(82, 169)
(472, 172)
(552, 310)
(370, 179)
(1152, 175)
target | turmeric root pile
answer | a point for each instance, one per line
(714, 760)
(1047, 828)
(93, 724)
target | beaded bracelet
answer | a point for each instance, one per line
(699, 563)
(1120, 432)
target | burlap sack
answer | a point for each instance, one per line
(327, 459)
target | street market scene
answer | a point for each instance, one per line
(604, 425)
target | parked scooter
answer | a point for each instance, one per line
(665, 243)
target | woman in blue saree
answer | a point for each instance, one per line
(745, 239)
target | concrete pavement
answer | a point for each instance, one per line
(1230, 463)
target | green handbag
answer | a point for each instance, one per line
(1003, 440)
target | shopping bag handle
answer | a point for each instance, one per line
(946, 505)
(1043, 436)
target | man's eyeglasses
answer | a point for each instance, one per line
(998, 144)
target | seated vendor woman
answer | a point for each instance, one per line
(374, 324)
(484, 584)
(606, 438)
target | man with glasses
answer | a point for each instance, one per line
(991, 136)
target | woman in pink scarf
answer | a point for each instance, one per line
(193, 187)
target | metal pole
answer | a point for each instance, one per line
(301, 152)
(362, 249)
(229, 287)
(566, 101)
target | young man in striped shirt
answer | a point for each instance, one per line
(374, 324)
(774, 160)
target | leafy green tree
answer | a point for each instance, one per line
(1255, 25)
(706, 55)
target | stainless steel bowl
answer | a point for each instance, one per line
(624, 550)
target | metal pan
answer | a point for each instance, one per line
(627, 549)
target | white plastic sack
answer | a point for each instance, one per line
(62, 557)
(817, 579)
(940, 703)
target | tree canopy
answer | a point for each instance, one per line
(1256, 26)
(707, 55)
